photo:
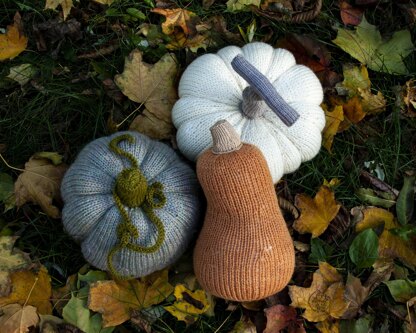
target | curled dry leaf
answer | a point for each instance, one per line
(116, 300)
(13, 42)
(280, 317)
(316, 213)
(324, 299)
(11, 259)
(153, 86)
(409, 98)
(40, 183)
(390, 245)
(30, 288)
(350, 14)
(15, 318)
(189, 304)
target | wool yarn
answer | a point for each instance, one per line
(244, 251)
(211, 89)
(131, 203)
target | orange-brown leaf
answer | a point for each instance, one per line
(116, 300)
(333, 121)
(178, 17)
(13, 42)
(324, 298)
(316, 213)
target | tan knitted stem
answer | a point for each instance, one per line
(225, 138)
(253, 105)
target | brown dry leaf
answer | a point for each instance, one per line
(280, 317)
(389, 245)
(40, 183)
(17, 319)
(324, 298)
(10, 261)
(178, 17)
(355, 294)
(333, 121)
(13, 42)
(116, 300)
(349, 14)
(310, 52)
(66, 6)
(30, 288)
(382, 269)
(153, 86)
(316, 213)
(409, 98)
(353, 113)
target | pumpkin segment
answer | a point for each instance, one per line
(271, 102)
(244, 251)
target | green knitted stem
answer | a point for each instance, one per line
(131, 190)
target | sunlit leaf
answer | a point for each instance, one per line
(13, 42)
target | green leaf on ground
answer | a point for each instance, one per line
(375, 198)
(364, 249)
(402, 290)
(239, 5)
(76, 313)
(367, 46)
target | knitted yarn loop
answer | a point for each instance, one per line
(132, 190)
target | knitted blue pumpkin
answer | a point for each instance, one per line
(131, 203)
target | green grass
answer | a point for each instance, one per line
(67, 107)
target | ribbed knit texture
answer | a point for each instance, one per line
(244, 251)
(211, 90)
(92, 216)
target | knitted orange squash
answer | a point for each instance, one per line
(244, 251)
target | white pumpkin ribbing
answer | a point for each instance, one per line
(210, 90)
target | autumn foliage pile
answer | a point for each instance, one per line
(350, 211)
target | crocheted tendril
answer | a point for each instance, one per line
(132, 190)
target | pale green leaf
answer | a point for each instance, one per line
(402, 290)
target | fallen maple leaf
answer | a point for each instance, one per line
(349, 14)
(178, 17)
(13, 42)
(324, 298)
(153, 86)
(355, 294)
(189, 304)
(66, 6)
(40, 183)
(17, 319)
(10, 260)
(367, 46)
(30, 288)
(316, 213)
(389, 245)
(280, 317)
(333, 120)
(116, 300)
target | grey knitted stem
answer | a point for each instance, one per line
(225, 138)
(265, 89)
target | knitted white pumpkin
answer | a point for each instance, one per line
(280, 112)
(131, 203)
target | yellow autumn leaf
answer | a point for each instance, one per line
(116, 300)
(178, 17)
(13, 42)
(153, 86)
(40, 183)
(353, 113)
(10, 260)
(333, 120)
(189, 304)
(328, 326)
(17, 319)
(66, 6)
(316, 213)
(324, 299)
(389, 245)
(30, 288)
(334, 182)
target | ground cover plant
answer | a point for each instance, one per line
(72, 71)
